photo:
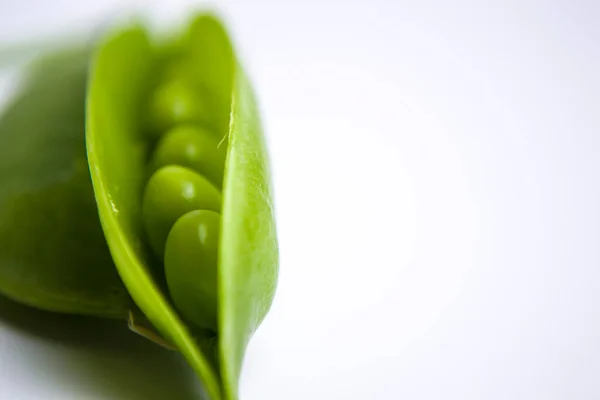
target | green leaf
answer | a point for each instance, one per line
(120, 145)
(53, 254)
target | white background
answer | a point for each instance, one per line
(436, 168)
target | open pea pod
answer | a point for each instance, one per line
(170, 185)
(181, 179)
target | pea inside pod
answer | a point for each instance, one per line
(194, 147)
(171, 192)
(180, 210)
(173, 102)
(185, 203)
(191, 258)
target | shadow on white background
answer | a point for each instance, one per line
(49, 356)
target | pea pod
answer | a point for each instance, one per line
(181, 184)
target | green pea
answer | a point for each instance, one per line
(191, 259)
(171, 192)
(174, 102)
(192, 147)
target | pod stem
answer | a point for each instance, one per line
(148, 333)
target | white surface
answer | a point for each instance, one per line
(436, 172)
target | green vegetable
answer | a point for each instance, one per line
(192, 147)
(193, 284)
(180, 181)
(174, 102)
(171, 192)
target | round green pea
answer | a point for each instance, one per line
(191, 260)
(171, 192)
(193, 147)
(175, 101)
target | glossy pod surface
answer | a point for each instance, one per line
(181, 178)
